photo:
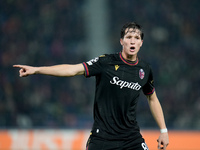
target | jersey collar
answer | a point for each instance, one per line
(131, 63)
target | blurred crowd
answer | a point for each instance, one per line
(52, 32)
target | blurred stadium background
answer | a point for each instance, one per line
(50, 32)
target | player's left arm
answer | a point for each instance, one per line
(157, 113)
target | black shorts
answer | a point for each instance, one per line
(95, 143)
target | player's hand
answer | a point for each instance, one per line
(163, 141)
(25, 70)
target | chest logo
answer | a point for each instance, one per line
(125, 84)
(116, 67)
(141, 73)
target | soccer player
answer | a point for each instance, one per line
(120, 78)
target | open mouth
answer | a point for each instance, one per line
(132, 48)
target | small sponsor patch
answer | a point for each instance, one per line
(97, 131)
(92, 61)
(141, 74)
(102, 55)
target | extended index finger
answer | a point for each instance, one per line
(18, 66)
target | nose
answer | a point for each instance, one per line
(132, 41)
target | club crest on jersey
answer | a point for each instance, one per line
(141, 73)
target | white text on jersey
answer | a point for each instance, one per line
(122, 84)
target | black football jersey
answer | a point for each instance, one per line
(118, 85)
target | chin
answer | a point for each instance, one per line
(132, 53)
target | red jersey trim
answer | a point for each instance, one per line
(128, 62)
(86, 69)
(150, 92)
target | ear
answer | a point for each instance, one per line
(121, 41)
(141, 43)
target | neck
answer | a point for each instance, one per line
(129, 57)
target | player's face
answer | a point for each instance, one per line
(131, 44)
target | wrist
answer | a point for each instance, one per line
(37, 70)
(163, 130)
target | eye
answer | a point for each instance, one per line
(137, 37)
(128, 37)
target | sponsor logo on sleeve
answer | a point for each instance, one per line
(92, 61)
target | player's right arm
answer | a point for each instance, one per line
(64, 70)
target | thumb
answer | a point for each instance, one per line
(23, 73)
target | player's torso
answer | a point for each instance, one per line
(117, 90)
(119, 79)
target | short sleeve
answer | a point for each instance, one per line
(149, 88)
(93, 67)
